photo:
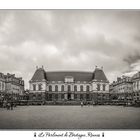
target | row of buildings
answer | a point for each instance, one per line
(80, 85)
(126, 87)
(71, 86)
(10, 86)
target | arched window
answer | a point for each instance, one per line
(50, 88)
(87, 88)
(75, 88)
(62, 88)
(69, 88)
(56, 88)
(81, 88)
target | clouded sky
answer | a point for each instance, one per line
(69, 40)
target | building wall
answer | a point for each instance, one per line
(53, 90)
(136, 86)
(92, 86)
(2, 85)
(36, 84)
(122, 88)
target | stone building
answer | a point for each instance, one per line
(136, 86)
(2, 83)
(122, 88)
(14, 85)
(10, 86)
(68, 85)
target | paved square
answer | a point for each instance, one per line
(70, 117)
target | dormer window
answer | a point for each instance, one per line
(34, 87)
(69, 79)
(98, 87)
(40, 87)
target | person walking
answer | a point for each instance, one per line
(8, 105)
(81, 104)
(11, 105)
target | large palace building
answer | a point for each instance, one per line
(68, 85)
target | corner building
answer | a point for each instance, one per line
(68, 85)
(136, 86)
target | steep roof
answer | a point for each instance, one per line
(39, 75)
(99, 75)
(60, 75)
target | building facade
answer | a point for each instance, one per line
(10, 86)
(136, 86)
(2, 83)
(14, 85)
(122, 88)
(68, 85)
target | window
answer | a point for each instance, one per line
(75, 96)
(56, 96)
(50, 97)
(98, 87)
(81, 96)
(50, 88)
(104, 87)
(81, 88)
(2, 86)
(34, 87)
(87, 88)
(40, 87)
(34, 97)
(62, 96)
(69, 88)
(137, 84)
(87, 96)
(75, 88)
(39, 96)
(69, 79)
(56, 88)
(62, 88)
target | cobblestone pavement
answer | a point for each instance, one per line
(70, 117)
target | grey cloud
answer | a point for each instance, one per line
(69, 39)
(132, 58)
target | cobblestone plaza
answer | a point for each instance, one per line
(70, 117)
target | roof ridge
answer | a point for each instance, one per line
(70, 71)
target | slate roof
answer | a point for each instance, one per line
(60, 75)
(41, 74)
(99, 75)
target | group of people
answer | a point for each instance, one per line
(9, 105)
(87, 103)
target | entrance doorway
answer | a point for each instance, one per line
(69, 96)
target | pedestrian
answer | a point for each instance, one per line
(8, 105)
(4, 103)
(11, 105)
(81, 104)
